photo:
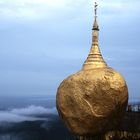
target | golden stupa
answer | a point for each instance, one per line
(93, 100)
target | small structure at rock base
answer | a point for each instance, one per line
(93, 101)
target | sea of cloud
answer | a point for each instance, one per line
(29, 113)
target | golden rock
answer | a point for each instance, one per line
(93, 100)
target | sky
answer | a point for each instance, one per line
(44, 41)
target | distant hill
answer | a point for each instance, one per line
(55, 129)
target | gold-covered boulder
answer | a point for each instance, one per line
(93, 100)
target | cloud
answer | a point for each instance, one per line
(29, 9)
(9, 117)
(36, 9)
(33, 110)
(26, 114)
(40, 9)
(34, 57)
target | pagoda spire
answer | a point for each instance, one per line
(94, 59)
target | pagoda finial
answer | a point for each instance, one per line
(95, 8)
(95, 25)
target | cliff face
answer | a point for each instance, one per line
(130, 129)
(131, 122)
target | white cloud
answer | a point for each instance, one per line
(38, 9)
(9, 117)
(29, 9)
(34, 110)
(26, 114)
(51, 3)
(121, 6)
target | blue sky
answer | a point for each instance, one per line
(44, 41)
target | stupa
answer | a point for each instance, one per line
(93, 100)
